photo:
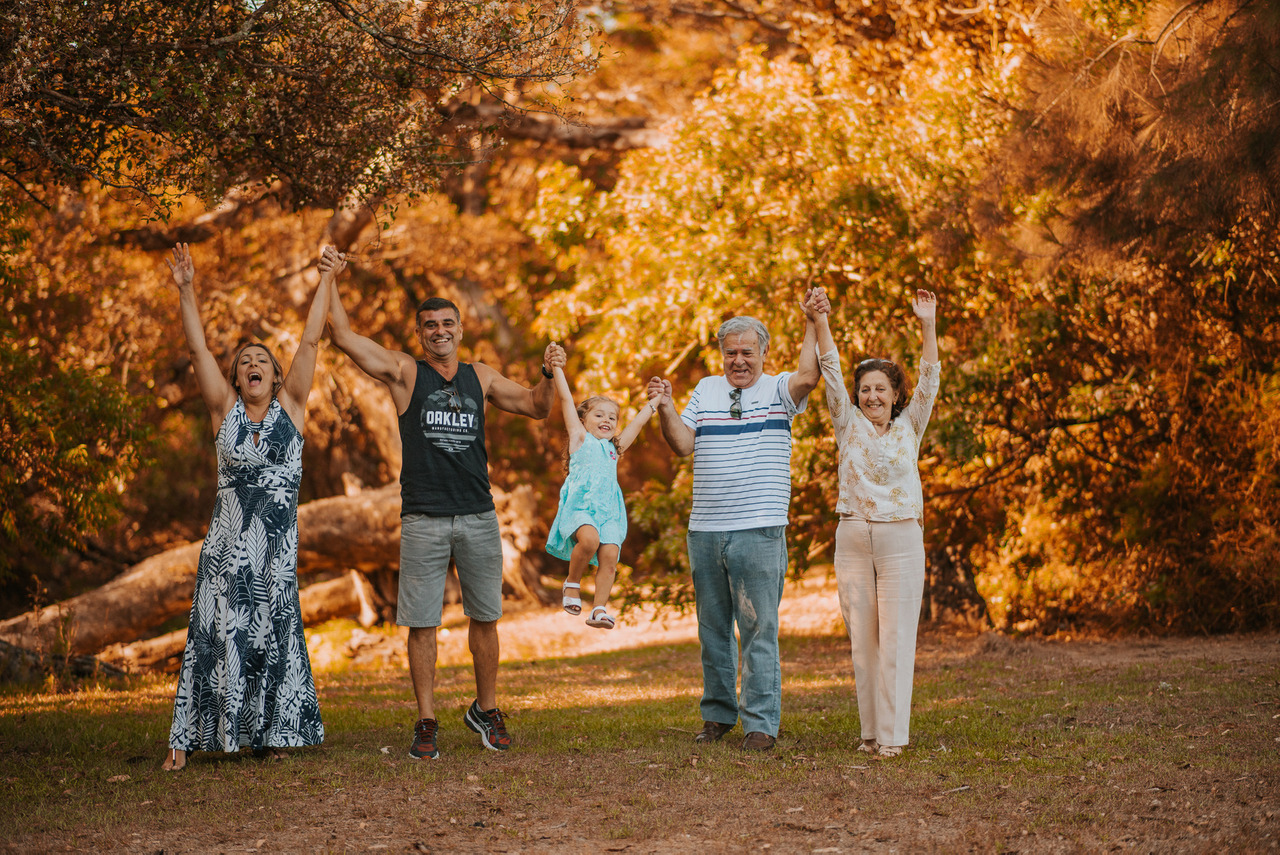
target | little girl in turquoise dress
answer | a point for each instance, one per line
(592, 521)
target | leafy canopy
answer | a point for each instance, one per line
(335, 98)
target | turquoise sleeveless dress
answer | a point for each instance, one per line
(590, 496)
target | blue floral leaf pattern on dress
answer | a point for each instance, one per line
(246, 677)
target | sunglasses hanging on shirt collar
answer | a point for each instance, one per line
(455, 401)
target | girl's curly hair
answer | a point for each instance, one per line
(582, 413)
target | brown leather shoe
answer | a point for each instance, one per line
(757, 741)
(712, 731)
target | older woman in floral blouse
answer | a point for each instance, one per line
(879, 558)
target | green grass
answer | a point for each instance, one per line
(1015, 746)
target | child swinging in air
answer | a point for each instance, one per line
(592, 521)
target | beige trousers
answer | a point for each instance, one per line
(880, 574)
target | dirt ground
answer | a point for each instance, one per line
(809, 608)
(669, 797)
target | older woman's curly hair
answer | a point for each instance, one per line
(897, 381)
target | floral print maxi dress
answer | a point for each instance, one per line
(246, 677)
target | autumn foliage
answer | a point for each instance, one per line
(1091, 188)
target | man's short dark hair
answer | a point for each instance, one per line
(435, 304)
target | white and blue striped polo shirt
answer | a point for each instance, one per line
(741, 467)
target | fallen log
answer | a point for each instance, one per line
(145, 595)
(349, 595)
(360, 532)
(18, 665)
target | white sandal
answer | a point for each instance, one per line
(604, 621)
(890, 750)
(572, 605)
(869, 746)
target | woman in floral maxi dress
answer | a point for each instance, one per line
(246, 677)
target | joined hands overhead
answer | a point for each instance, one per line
(815, 303)
(554, 357)
(332, 262)
(658, 392)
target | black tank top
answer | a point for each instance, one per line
(446, 468)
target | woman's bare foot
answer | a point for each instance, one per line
(175, 762)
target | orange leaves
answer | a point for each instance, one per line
(336, 99)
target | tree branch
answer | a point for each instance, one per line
(618, 135)
(18, 183)
(247, 28)
(202, 228)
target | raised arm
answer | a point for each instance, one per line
(214, 387)
(818, 309)
(839, 404)
(925, 305)
(637, 423)
(297, 383)
(919, 408)
(806, 376)
(677, 434)
(508, 395)
(392, 367)
(572, 424)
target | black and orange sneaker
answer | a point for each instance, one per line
(424, 740)
(490, 725)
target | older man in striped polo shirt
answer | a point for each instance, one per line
(738, 429)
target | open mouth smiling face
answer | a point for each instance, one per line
(601, 421)
(439, 331)
(875, 396)
(743, 359)
(256, 372)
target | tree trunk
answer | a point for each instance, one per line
(951, 593)
(360, 532)
(624, 134)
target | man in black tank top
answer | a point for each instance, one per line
(447, 510)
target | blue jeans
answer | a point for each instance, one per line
(737, 577)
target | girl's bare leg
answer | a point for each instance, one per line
(587, 541)
(607, 572)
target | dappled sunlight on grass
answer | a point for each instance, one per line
(594, 695)
(809, 609)
(122, 695)
(1079, 747)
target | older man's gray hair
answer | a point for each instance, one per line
(741, 325)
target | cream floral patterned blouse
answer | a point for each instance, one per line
(879, 475)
